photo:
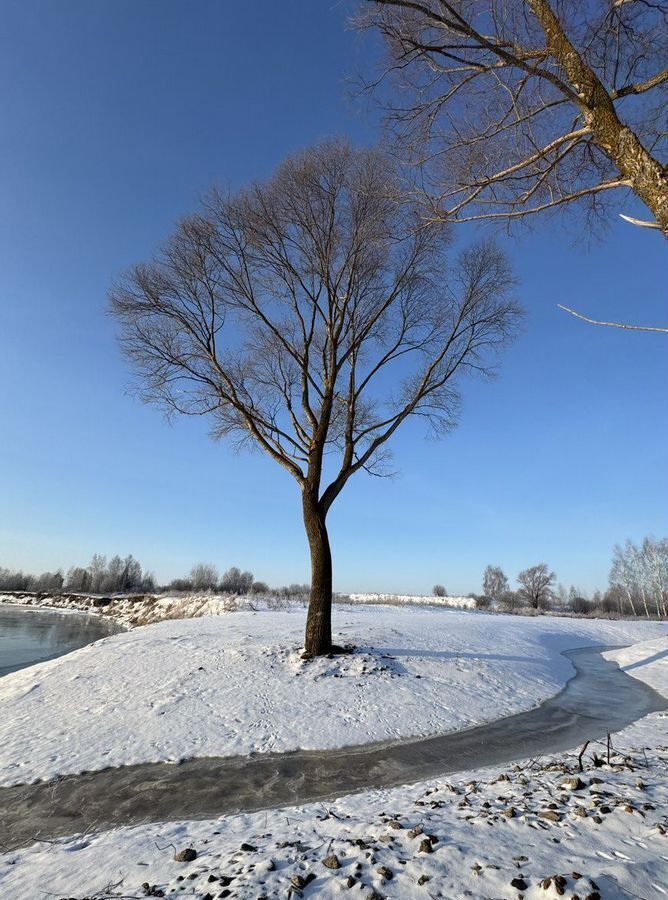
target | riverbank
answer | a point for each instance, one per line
(537, 829)
(133, 610)
(236, 684)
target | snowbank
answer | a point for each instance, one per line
(236, 684)
(414, 600)
(647, 661)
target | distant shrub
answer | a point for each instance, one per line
(481, 601)
(180, 584)
(440, 591)
(580, 605)
(511, 600)
(260, 587)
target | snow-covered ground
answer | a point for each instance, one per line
(531, 830)
(236, 684)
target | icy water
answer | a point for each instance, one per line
(30, 635)
(599, 698)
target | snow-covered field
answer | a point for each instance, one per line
(532, 830)
(236, 684)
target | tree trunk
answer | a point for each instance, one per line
(318, 641)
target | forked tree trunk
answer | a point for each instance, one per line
(318, 640)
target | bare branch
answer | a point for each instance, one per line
(611, 324)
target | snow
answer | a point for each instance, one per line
(614, 848)
(647, 661)
(235, 684)
(414, 600)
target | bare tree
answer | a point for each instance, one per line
(641, 574)
(203, 576)
(234, 581)
(516, 107)
(310, 316)
(439, 591)
(494, 583)
(536, 585)
(97, 568)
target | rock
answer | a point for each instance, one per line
(605, 810)
(187, 855)
(640, 784)
(350, 881)
(580, 811)
(415, 831)
(519, 883)
(574, 784)
(385, 873)
(331, 861)
(393, 823)
(576, 876)
(425, 846)
(510, 812)
(248, 848)
(550, 815)
(423, 879)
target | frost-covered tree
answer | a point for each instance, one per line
(48, 581)
(78, 579)
(439, 591)
(640, 572)
(98, 570)
(204, 576)
(310, 316)
(494, 582)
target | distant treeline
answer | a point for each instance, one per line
(123, 575)
(638, 585)
(100, 576)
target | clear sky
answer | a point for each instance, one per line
(116, 116)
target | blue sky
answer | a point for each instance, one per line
(116, 117)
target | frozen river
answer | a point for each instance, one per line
(29, 635)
